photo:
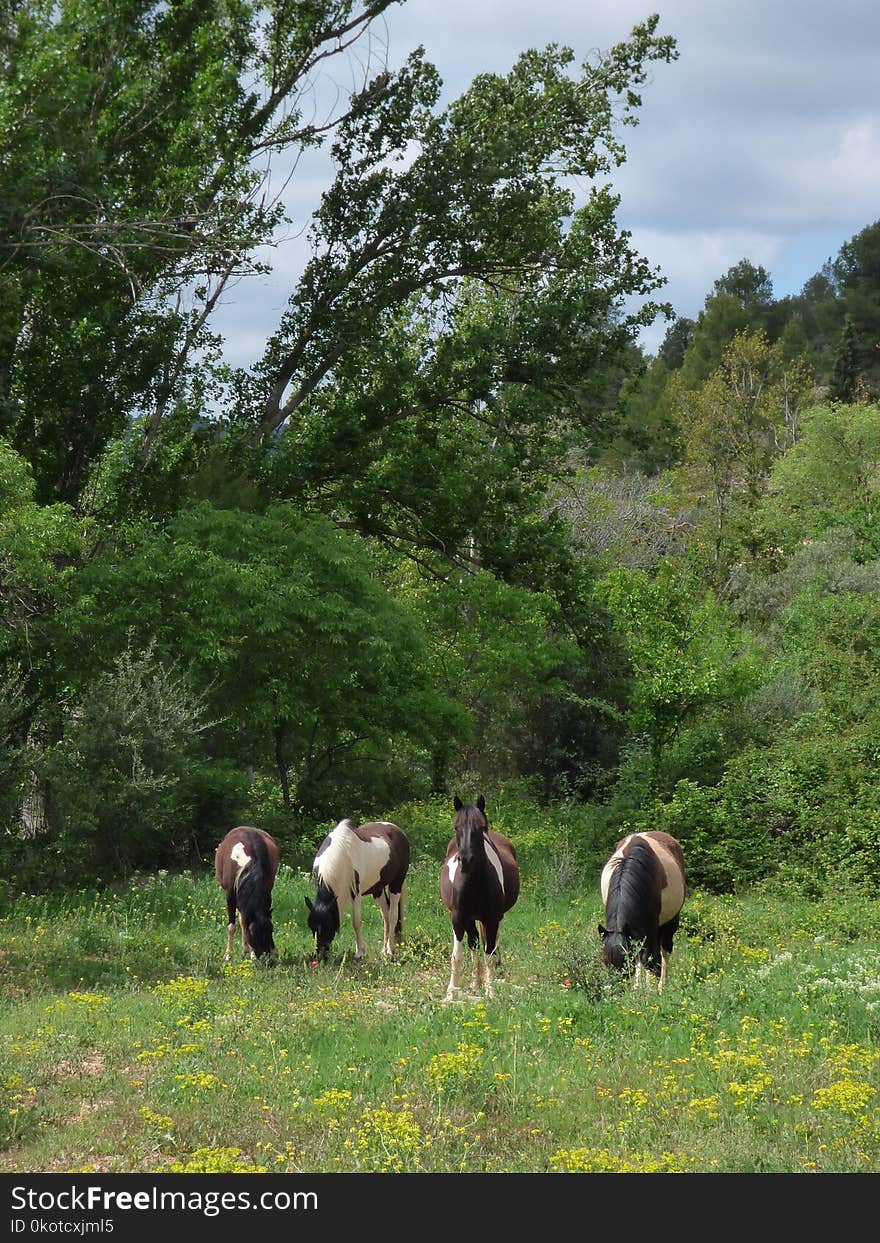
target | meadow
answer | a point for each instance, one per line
(126, 1043)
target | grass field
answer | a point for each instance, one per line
(127, 1045)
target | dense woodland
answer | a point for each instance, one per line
(454, 530)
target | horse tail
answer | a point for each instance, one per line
(398, 931)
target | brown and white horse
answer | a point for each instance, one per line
(643, 889)
(351, 861)
(245, 864)
(479, 882)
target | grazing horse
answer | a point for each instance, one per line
(479, 882)
(245, 864)
(351, 861)
(643, 888)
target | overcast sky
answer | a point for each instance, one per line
(762, 141)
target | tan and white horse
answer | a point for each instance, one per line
(643, 889)
(351, 861)
(245, 864)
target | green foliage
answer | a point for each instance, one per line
(120, 782)
(828, 478)
(304, 658)
(684, 649)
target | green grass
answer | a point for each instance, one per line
(127, 1045)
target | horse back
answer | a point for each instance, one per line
(239, 847)
(394, 870)
(671, 871)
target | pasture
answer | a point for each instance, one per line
(126, 1043)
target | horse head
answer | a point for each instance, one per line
(471, 827)
(616, 950)
(260, 933)
(323, 919)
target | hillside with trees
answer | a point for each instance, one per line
(454, 526)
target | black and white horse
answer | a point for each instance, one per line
(643, 889)
(351, 861)
(479, 882)
(245, 864)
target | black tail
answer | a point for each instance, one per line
(398, 931)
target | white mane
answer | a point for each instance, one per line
(337, 863)
(346, 854)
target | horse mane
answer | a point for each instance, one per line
(632, 884)
(253, 895)
(334, 867)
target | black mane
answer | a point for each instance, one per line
(632, 892)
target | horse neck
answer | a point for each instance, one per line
(252, 891)
(336, 867)
(629, 889)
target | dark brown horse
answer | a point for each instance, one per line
(245, 864)
(353, 860)
(643, 888)
(479, 882)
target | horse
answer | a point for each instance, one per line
(643, 889)
(479, 883)
(245, 864)
(354, 860)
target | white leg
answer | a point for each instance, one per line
(477, 955)
(230, 937)
(384, 907)
(488, 983)
(393, 916)
(455, 973)
(639, 974)
(664, 970)
(356, 921)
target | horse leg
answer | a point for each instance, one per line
(245, 944)
(667, 932)
(476, 957)
(230, 926)
(639, 976)
(360, 951)
(385, 907)
(458, 931)
(490, 945)
(394, 901)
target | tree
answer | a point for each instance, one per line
(751, 286)
(678, 337)
(684, 649)
(129, 139)
(459, 300)
(302, 656)
(845, 373)
(743, 417)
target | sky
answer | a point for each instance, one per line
(761, 141)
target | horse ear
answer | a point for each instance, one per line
(602, 931)
(481, 803)
(309, 904)
(457, 803)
